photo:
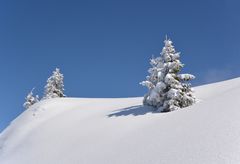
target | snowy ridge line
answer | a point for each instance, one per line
(121, 130)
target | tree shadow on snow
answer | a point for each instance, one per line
(133, 110)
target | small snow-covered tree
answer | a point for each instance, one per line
(30, 100)
(168, 90)
(54, 87)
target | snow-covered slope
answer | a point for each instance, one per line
(121, 131)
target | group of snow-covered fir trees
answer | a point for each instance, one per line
(53, 89)
(168, 90)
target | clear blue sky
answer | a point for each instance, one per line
(103, 47)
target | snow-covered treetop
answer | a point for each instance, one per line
(55, 86)
(30, 100)
(168, 89)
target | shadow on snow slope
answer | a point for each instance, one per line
(133, 110)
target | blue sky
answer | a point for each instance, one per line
(103, 47)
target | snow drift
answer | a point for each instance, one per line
(121, 131)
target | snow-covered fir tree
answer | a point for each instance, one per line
(55, 86)
(30, 100)
(168, 90)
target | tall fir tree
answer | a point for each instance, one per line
(54, 87)
(30, 100)
(168, 90)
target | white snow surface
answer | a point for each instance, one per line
(121, 131)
